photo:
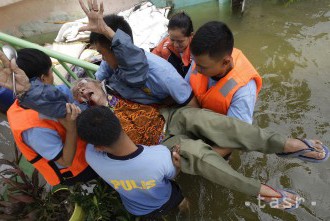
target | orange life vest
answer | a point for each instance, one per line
(219, 96)
(165, 49)
(23, 119)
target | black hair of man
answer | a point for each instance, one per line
(33, 62)
(99, 126)
(213, 39)
(181, 21)
(114, 22)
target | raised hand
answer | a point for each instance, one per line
(94, 12)
(6, 70)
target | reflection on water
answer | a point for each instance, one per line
(289, 45)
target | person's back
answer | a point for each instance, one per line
(140, 174)
(134, 74)
(142, 178)
(222, 78)
(175, 48)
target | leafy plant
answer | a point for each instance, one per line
(24, 198)
(103, 203)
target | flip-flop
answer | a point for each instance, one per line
(284, 197)
(300, 153)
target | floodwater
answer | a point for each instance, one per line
(290, 47)
(289, 44)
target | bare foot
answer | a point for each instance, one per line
(293, 145)
(276, 200)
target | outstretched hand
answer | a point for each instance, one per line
(94, 12)
(6, 70)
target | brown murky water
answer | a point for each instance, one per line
(290, 47)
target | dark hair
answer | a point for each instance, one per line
(99, 126)
(114, 22)
(33, 62)
(214, 39)
(182, 21)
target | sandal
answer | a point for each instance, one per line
(300, 153)
(277, 201)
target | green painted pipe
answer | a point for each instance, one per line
(17, 42)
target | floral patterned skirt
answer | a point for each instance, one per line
(142, 123)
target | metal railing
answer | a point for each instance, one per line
(62, 58)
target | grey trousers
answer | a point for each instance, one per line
(195, 130)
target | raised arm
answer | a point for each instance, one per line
(132, 61)
(94, 12)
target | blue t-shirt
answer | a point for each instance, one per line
(142, 178)
(142, 76)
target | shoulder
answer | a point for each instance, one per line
(159, 149)
(165, 42)
(159, 154)
(92, 155)
(247, 90)
(162, 48)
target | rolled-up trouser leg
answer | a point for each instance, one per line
(223, 131)
(198, 158)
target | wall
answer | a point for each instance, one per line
(34, 17)
(8, 2)
(178, 3)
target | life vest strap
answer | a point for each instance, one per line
(56, 170)
(36, 159)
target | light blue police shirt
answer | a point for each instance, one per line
(142, 178)
(142, 76)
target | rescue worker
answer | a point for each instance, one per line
(50, 145)
(175, 48)
(223, 79)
